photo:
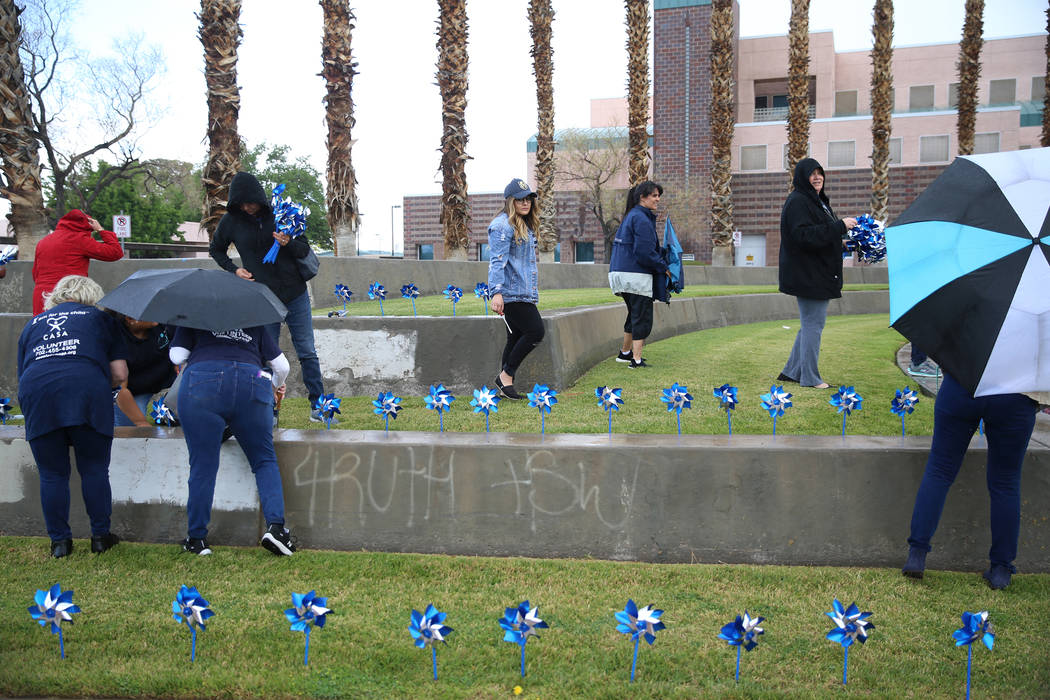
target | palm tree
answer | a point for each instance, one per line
(798, 83)
(637, 89)
(540, 18)
(452, 83)
(220, 34)
(18, 145)
(337, 69)
(722, 119)
(969, 73)
(1044, 137)
(881, 107)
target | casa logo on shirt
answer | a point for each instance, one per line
(55, 330)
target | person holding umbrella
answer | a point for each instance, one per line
(69, 357)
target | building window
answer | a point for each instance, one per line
(920, 98)
(986, 143)
(425, 251)
(1002, 92)
(483, 252)
(841, 154)
(846, 103)
(752, 157)
(895, 150)
(557, 253)
(953, 95)
(933, 149)
(1038, 88)
(786, 164)
(584, 252)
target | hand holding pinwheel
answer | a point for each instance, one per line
(190, 608)
(428, 628)
(638, 624)
(8, 253)
(289, 219)
(867, 238)
(519, 624)
(51, 608)
(307, 611)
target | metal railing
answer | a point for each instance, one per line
(778, 114)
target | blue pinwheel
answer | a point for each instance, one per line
(5, 410)
(519, 624)
(160, 413)
(727, 401)
(485, 401)
(453, 294)
(867, 238)
(851, 625)
(439, 399)
(377, 291)
(307, 611)
(327, 405)
(975, 626)
(343, 293)
(610, 400)
(846, 400)
(481, 291)
(904, 403)
(776, 402)
(428, 628)
(387, 405)
(638, 624)
(742, 632)
(410, 291)
(677, 398)
(190, 608)
(288, 218)
(51, 608)
(543, 398)
(8, 253)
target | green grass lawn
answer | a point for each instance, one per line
(126, 644)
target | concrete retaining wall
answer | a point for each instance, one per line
(661, 498)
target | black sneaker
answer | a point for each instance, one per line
(507, 390)
(278, 540)
(625, 357)
(100, 543)
(195, 546)
(636, 365)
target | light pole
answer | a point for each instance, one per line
(392, 208)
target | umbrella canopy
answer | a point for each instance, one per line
(969, 270)
(672, 253)
(211, 300)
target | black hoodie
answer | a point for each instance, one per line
(810, 240)
(253, 236)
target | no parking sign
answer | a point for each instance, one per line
(122, 225)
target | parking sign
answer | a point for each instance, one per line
(122, 225)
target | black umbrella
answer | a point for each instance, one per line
(211, 300)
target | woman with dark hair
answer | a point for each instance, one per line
(810, 266)
(513, 279)
(637, 270)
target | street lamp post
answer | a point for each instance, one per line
(392, 208)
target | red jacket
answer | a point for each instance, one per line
(68, 250)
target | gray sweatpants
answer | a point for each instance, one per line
(802, 363)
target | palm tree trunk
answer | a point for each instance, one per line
(798, 83)
(540, 18)
(969, 73)
(722, 120)
(338, 72)
(881, 107)
(220, 34)
(18, 146)
(452, 83)
(1044, 137)
(637, 90)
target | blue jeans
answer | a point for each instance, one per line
(141, 400)
(213, 395)
(802, 363)
(1008, 423)
(301, 328)
(51, 452)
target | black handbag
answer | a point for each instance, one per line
(308, 265)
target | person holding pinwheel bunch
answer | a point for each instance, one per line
(249, 225)
(513, 279)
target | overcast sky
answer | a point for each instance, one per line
(397, 105)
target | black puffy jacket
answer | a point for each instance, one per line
(810, 240)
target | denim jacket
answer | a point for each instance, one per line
(512, 266)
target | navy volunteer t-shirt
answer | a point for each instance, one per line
(252, 346)
(63, 369)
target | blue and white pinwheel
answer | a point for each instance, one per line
(677, 398)
(543, 398)
(727, 401)
(288, 218)
(453, 294)
(868, 239)
(481, 291)
(8, 253)
(742, 632)
(160, 413)
(485, 401)
(519, 624)
(846, 400)
(439, 399)
(343, 293)
(610, 400)
(410, 291)
(975, 627)
(327, 405)
(638, 624)
(851, 625)
(51, 608)
(387, 406)
(776, 402)
(192, 610)
(307, 611)
(377, 291)
(5, 410)
(904, 403)
(428, 628)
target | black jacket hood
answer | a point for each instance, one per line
(246, 188)
(803, 169)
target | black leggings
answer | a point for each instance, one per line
(525, 334)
